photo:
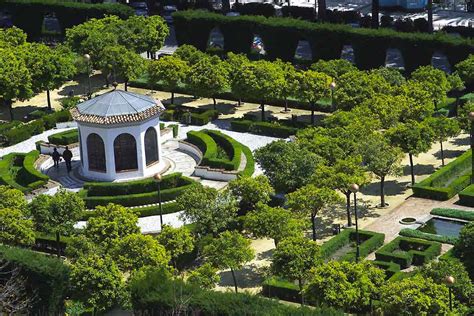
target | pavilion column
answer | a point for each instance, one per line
(141, 159)
(109, 154)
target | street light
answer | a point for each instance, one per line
(354, 188)
(471, 119)
(449, 280)
(158, 179)
(332, 86)
(87, 58)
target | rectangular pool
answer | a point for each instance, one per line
(440, 226)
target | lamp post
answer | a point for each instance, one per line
(332, 86)
(471, 119)
(158, 181)
(354, 188)
(87, 58)
(449, 280)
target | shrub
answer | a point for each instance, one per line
(453, 213)
(405, 251)
(250, 165)
(153, 210)
(204, 142)
(64, 138)
(275, 287)
(369, 241)
(466, 196)
(408, 232)
(263, 128)
(204, 118)
(439, 186)
(390, 268)
(45, 275)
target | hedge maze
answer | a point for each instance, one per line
(18, 171)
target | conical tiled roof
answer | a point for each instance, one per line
(116, 107)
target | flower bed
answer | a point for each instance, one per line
(18, 171)
(407, 251)
(447, 181)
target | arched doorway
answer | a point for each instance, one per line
(96, 153)
(151, 146)
(125, 153)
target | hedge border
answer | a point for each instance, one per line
(152, 210)
(466, 196)
(453, 213)
(274, 287)
(28, 171)
(409, 232)
(64, 138)
(390, 268)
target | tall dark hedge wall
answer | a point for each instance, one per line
(28, 14)
(281, 35)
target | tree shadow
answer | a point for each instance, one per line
(449, 153)
(222, 123)
(465, 141)
(306, 118)
(20, 113)
(247, 277)
(392, 187)
(179, 100)
(265, 255)
(81, 86)
(419, 169)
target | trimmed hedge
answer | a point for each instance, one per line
(466, 196)
(135, 193)
(168, 208)
(208, 141)
(279, 35)
(45, 275)
(439, 186)
(390, 268)
(370, 241)
(263, 128)
(64, 138)
(28, 14)
(203, 118)
(453, 213)
(407, 251)
(17, 170)
(250, 165)
(275, 287)
(409, 232)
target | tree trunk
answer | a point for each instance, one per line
(411, 169)
(382, 191)
(300, 285)
(348, 208)
(262, 105)
(442, 153)
(239, 102)
(8, 105)
(312, 116)
(313, 225)
(215, 103)
(49, 99)
(430, 16)
(58, 245)
(286, 105)
(126, 85)
(375, 14)
(235, 280)
(172, 97)
(322, 10)
(107, 81)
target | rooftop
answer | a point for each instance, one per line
(117, 107)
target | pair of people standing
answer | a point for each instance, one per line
(67, 156)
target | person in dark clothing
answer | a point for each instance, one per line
(56, 156)
(67, 155)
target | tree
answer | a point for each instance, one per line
(97, 282)
(463, 116)
(291, 83)
(464, 247)
(287, 165)
(15, 79)
(434, 81)
(381, 108)
(311, 200)
(190, 54)
(205, 276)
(421, 104)
(49, 68)
(413, 138)
(443, 128)
(340, 176)
(12, 36)
(121, 62)
(344, 285)
(136, 251)
(381, 159)
(16, 228)
(294, 257)
(229, 251)
(439, 270)
(12, 198)
(313, 86)
(170, 71)
(272, 222)
(465, 70)
(144, 34)
(234, 64)
(112, 221)
(414, 296)
(177, 241)
(333, 68)
(208, 78)
(251, 191)
(212, 211)
(57, 214)
(392, 75)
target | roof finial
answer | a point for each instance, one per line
(115, 84)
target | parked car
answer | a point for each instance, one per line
(141, 8)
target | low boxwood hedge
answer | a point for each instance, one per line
(440, 185)
(64, 138)
(250, 164)
(17, 170)
(406, 251)
(168, 208)
(466, 196)
(453, 213)
(390, 268)
(370, 241)
(263, 128)
(275, 287)
(409, 232)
